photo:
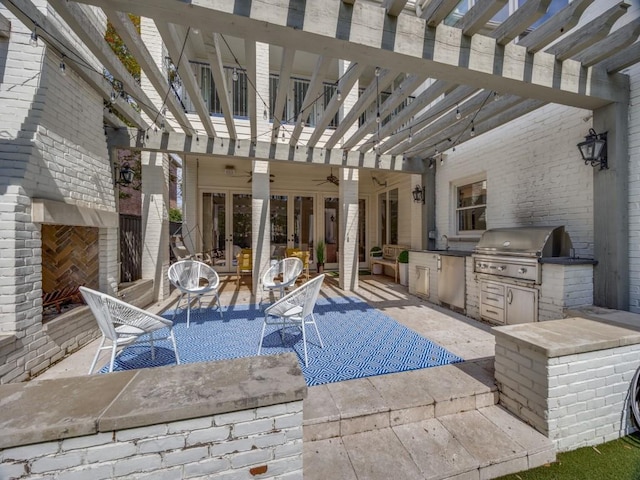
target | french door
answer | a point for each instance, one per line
(292, 223)
(226, 227)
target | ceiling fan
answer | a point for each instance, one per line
(331, 178)
(250, 175)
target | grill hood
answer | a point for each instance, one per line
(525, 242)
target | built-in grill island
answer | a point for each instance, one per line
(508, 268)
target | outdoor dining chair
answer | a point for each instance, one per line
(295, 309)
(124, 324)
(303, 255)
(194, 279)
(282, 275)
(244, 263)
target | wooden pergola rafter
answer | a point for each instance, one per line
(553, 63)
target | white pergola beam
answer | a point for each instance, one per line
(394, 7)
(79, 19)
(5, 27)
(312, 96)
(621, 60)
(211, 43)
(478, 16)
(286, 66)
(345, 84)
(557, 25)
(525, 16)
(174, 42)
(127, 31)
(621, 38)
(398, 96)
(252, 72)
(27, 13)
(437, 10)
(588, 34)
(370, 95)
(178, 142)
(407, 45)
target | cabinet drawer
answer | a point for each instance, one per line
(492, 313)
(492, 288)
(493, 299)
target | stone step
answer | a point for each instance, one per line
(472, 445)
(373, 403)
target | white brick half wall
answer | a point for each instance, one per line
(578, 397)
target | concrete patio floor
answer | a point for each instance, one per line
(436, 423)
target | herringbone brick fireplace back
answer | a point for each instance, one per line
(69, 257)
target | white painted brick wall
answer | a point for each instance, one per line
(528, 183)
(221, 446)
(576, 400)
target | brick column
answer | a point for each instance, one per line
(155, 212)
(348, 258)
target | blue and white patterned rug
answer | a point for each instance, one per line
(359, 341)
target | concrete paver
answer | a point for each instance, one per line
(327, 459)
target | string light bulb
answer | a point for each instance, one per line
(339, 95)
(377, 71)
(114, 95)
(458, 115)
(63, 66)
(265, 114)
(378, 117)
(473, 130)
(410, 136)
(234, 75)
(496, 96)
(33, 39)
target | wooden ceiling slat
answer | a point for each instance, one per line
(366, 98)
(211, 44)
(400, 94)
(79, 19)
(28, 13)
(127, 31)
(556, 26)
(621, 60)
(588, 34)
(345, 85)
(173, 41)
(478, 16)
(520, 20)
(621, 38)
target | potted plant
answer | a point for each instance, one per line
(376, 268)
(320, 256)
(403, 267)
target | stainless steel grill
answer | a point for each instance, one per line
(515, 252)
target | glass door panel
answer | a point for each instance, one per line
(362, 231)
(331, 222)
(214, 223)
(303, 224)
(241, 221)
(279, 226)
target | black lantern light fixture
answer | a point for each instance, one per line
(418, 194)
(594, 149)
(126, 175)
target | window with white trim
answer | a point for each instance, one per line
(471, 207)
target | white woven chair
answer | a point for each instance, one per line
(194, 278)
(295, 308)
(123, 325)
(282, 275)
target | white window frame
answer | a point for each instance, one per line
(455, 186)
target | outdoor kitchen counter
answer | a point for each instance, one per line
(47, 410)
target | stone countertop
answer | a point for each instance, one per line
(47, 410)
(568, 261)
(451, 253)
(568, 336)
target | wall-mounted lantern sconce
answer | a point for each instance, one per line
(418, 194)
(126, 175)
(594, 149)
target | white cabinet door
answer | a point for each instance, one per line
(521, 305)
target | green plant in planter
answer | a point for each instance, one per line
(320, 252)
(403, 257)
(375, 251)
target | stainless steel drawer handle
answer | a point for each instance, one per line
(492, 311)
(492, 299)
(510, 296)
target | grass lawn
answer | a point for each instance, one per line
(616, 460)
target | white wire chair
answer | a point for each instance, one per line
(295, 308)
(123, 324)
(194, 278)
(282, 275)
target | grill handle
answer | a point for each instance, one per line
(509, 296)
